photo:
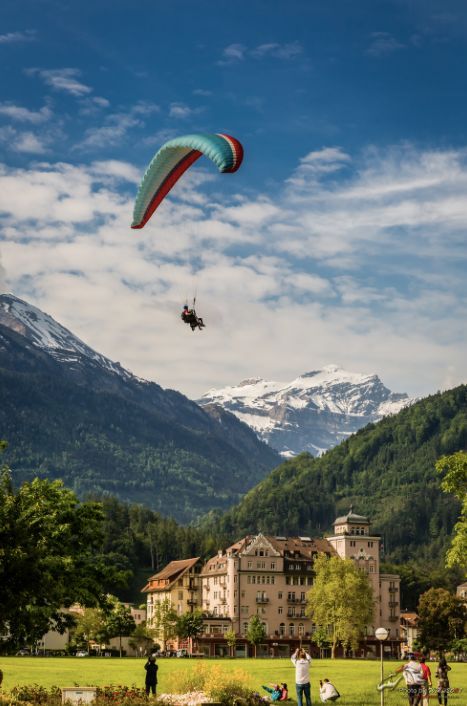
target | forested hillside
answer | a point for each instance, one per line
(101, 430)
(386, 470)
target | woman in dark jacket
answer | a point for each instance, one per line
(151, 675)
(443, 680)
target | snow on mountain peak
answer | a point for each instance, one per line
(45, 333)
(313, 412)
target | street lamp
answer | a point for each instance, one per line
(381, 634)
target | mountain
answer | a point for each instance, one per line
(69, 412)
(386, 470)
(312, 413)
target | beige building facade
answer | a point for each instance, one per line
(269, 576)
(352, 539)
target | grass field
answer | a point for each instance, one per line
(356, 680)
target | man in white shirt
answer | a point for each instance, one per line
(328, 691)
(413, 675)
(301, 661)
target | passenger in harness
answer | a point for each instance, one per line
(190, 317)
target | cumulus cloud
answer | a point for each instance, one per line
(62, 80)
(28, 35)
(355, 262)
(22, 141)
(116, 126)
(24, 115)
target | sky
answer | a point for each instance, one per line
(341, 239)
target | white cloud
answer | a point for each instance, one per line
(278, 51)
(116, 126)
(236, 52)
(62, 80)
(24, 115)
(22, 141)
(28, 35)
(356, 266)
(383, 43)
(233, 52)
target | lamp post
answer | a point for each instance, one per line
(381, 634)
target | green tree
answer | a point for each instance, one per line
(341, 601)
(255, 632)
(90, 626)
(441, 619)
(50, 557)
(454, 469)
(164, 622)
(141, 639)
(120, 622)
(322, 639)
(190, 625)
(231, 638)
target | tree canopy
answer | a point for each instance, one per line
(340, 601)
(442, 619)
(255, 631)
(454, 469)
(50, 557)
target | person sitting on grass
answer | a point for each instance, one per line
(275, 691)
(327, 691)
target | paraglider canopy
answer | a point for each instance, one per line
(172, 161)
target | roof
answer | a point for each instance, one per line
(298, 547)
(170, 573)
(351, 518)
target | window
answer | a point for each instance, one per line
(245, 628)
(279, 595)
(353, 543)
(243, 594)
(301, 629)
(180, 595)
(215, 580)
(273, 579)
(280, 610)
(282, 629)
(273, 565)
(248, 579)
(291, 629)
(249, 565)
(370, 544)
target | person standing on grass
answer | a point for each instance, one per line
(301, 661)
(427, 681)
(151, 675)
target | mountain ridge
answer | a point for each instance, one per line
(69, 412)
(313, 412)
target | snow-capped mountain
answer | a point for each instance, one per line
(44, 332)
(312, 413)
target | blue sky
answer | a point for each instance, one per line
(340, 240)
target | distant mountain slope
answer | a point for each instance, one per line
(313, 412)
(385, 470)
(69, 412)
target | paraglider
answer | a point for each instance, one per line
(172, 161)
(189, 316)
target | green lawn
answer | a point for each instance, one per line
(356, 680)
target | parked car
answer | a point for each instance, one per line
(182, 653)
(82, 653)
(23, 652)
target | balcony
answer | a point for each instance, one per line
(223, 600)
(292, 599)
(192, 601)
(262, 599)
(290, 614)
